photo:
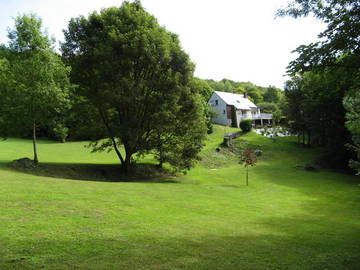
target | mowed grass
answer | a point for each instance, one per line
(287, 218)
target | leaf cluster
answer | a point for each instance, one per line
(248, 157)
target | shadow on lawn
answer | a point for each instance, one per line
(98, 172)
(310, 250)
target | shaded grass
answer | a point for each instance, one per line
(99, 172)
(286, 219)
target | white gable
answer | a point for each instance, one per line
(237, 100)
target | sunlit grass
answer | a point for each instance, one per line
(287, 218)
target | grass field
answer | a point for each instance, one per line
(287, 218)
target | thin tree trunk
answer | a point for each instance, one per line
(118, 153)
(161, 160)
(247, 175)
(117, 150)
(303, 138)
(36, 160)
(309, 139)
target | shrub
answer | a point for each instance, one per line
(246, 125)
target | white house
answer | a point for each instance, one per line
(231, 108)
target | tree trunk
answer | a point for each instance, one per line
(303, 138)
(161, 159)
(127, 162)
(247, 175)
(118, 153)
(36, 160)
(117, 150)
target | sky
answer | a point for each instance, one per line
(239, 40)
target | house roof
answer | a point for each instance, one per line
(237, 100)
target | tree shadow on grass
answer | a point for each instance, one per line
(141, 172)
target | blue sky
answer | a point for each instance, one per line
(235, 39)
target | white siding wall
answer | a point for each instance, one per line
(221, 117)
(238, 117)
(220, 108)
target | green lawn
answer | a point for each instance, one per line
(287, 218)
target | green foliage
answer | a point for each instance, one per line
(341, 36)
(27, 35)
(136, 75)
(246, 125)
(317, 114)
(334, 65)
(139, 223)
(205, 92)
(37, 85)
(255, 93)
(61, 132)
(178, 139)
(272, 94)
(268, 107)
(352, 105)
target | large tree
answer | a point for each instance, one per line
(316, 112)
(37, 84)
(340, 38)
(134, 72)
(352, 105)
(336, 52)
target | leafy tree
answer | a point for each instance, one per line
(179, 138)
(205, 92)
(317, 114)
(268, 107)
(248, 158)
(272, 94)
(341, 37)
(337, 49)
(37, 75)
(352, 105)
(294, 109)
(253, 92)
(134, 72)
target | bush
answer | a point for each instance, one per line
(246, 125)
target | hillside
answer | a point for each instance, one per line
(287, 218)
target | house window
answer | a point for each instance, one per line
(216, 102)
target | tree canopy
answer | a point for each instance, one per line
(329, 72)
(136, 75)
(37, 84)
(341, 37)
